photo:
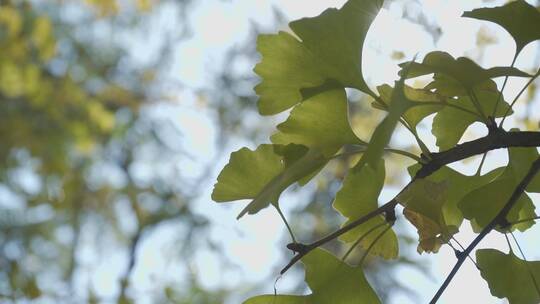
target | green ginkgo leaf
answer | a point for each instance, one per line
(423, 201)
(261, 175)
(330, 280)
(518, 18)
(357, 197)
(482, 204)
(449, 87)
(419, 97)
(458, 185)
(450, 123)
(509, 276)
(319, 122)
(329, 50)
(399, 104)
(464, 70)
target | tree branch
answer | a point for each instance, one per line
(499, 219)
(496, 139)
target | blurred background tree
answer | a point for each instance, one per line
(108, 156)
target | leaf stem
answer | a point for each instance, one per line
(526, 220)
(517, 97)
(373, 244)
(477, 105)
(286, 223)
(503, 86)
(395, 151)
(360, 239)
(445, 103)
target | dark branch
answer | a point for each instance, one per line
(496, 139)
(499, 219)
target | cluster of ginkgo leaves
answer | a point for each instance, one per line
(308, 71)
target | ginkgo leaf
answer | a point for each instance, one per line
(518, 18)
(520, 160)
(247, 173)
(417, 111)
(319, 122)
(398, 105)
(329, 48)
(330, 280)
(509, 276)
(483, 204)
(458, 185)
(423, 201)
(450, 123)
(449, 87)
(462, 69)
(261, 175)
(357, 197)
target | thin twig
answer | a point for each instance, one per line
(499, 219)
(492, 141)
(303, 250)
(526, 264)
(463, 248)
(503, 86)
(517, 97)
(373, 244)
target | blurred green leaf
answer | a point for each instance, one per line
(518, 18)
(330, 280)
(510, 277)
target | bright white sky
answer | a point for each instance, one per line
(256, 242)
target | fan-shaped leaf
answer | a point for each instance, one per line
(450, 123)
(462, 69)
(518, 18)
(331, 281)
(330, 49)
(357, 197)
(261, 175)
(482, 205)
(417, 111)
(423, 201)
(510, 277)
(320, 122)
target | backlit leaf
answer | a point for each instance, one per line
(482, 205)
(510, 277)
(383, 133)
(261, 175)
(330, 280)
(329, 48)
(518, 18)
(319, 122)
(357, 197)
(423, 201)
(458, 185)
(450, 123)
(418, 111)
(462, 69)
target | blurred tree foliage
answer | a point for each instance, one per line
(77, 154)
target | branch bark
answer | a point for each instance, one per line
(496, 139)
